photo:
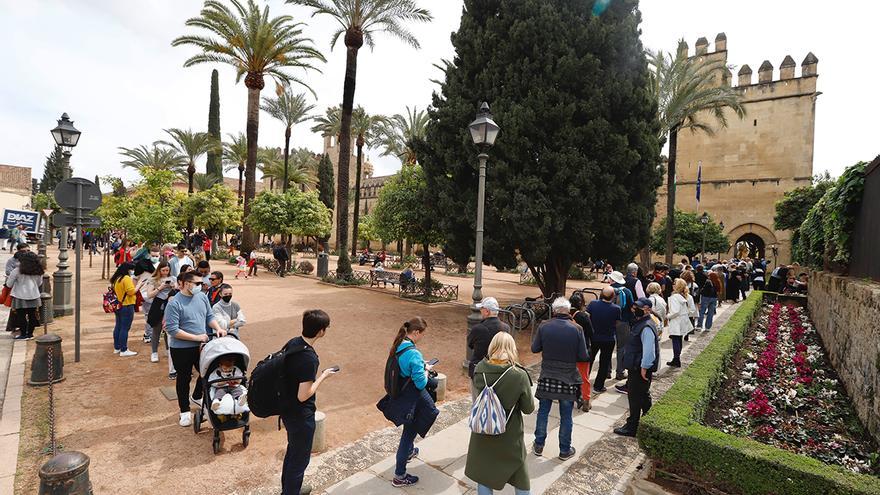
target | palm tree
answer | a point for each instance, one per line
(688, 91)
(401, 131)
(235, 153)
(203, 182)
(256, 45)
(359, 21)
(290, 109)
(330, 124)
(190, 146)
(301, 168)
(366, 127)
(156, 157)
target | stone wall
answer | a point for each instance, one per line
(845, 311)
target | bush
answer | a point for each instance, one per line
(233, 260)
(671, 433)
(345, 282)
(305, 267)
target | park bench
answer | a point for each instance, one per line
(384, 277)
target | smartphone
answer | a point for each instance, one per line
(433, 362)
(335, 369)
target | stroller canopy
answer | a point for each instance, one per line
(219, 347)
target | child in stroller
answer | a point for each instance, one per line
(230, 397)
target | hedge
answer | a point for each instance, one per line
(671, 433)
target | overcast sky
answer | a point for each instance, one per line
(109, 64)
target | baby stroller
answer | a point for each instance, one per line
(209, 360)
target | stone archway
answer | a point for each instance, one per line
(751, 241)
(757, 237)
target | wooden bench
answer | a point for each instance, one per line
(383, 277)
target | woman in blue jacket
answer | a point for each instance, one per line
(413, 402)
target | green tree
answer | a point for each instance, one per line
(292, 213)
(117, 187)
(326, 188)
(214, 165)
(255, 45)
(689, 236)
(113, 212)
(215, 209)
(203, 182)
(688, 90)
(400, 132)
(235, 154)
(792, 209)
(151, 213)
(367, 230)
(156, 157)
(53, 171)
(575, 169)
(289, 109)
(44, 201)
(366, 127)
(404, 211)
(360, 21)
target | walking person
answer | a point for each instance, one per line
(279, 252)
(180, 259)
(604, 315)
(124, 288)
(709, 299)
(158, 290)
(298, 416)
(582, 318)
(187, 318)
(228, 312)
(642, 357)
(24, 282)
(679, 320)
(14, 236)
(494, 461)
(562, 345)
(206, 247)
(482, 333)
(413, 406)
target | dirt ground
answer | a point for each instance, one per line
(112, 408)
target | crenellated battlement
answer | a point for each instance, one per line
(809, 66)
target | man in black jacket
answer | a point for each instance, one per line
(481, 334)
(281, 256)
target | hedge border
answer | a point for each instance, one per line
(672, 434)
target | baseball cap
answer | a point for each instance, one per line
(644, 302)
(617, 277)
(490, 303)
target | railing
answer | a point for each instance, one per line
(354, 275)
(439, 292)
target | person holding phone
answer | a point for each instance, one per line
(299, 415)
(156, 290)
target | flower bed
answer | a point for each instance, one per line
(782, 390)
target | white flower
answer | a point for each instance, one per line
(792, 393)
(747, 388)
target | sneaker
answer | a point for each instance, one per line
(154, 357)
(625, 431)
(172, 375)
(147, 339)
(538, 450)
(195, 401)
(674, 364)
(622, 389)
(599, 390)
(585, 407)
(21, 337)
(405, 480)
(128, 353)
(305, 490)
(115, 351)
(567, 455)
(185, 419)
(620, 376)
(413, 454)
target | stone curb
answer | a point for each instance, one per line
(10, 421)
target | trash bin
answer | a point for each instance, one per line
(323, 264)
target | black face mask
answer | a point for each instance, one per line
(226, 298)
(638, 312)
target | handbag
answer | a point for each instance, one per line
(5, 297)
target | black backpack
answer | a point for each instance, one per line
(394, 383)
(708, 289)
(269, 393)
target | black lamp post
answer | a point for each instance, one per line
(483, 131)
(704, 219)
(66, 136)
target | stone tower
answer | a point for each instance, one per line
(331, 148)
(749, 165)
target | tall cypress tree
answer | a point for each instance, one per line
(575, 169)
(214, 166)
(53, 171)
(326, 186)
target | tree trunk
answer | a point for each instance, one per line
(670, 195)
(357, 197)
(400, 248)
(343, 265)
(552, 275)
(426, 262)
(250, 181)
(191, 172)
(286, 157)
(240, 176)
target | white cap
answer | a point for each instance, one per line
(617, 277)
(489, 303)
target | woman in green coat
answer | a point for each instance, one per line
(497, 460)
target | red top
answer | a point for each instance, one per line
(206, 245)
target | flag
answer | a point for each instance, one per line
(699, 180)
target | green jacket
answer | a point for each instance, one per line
(497, 460)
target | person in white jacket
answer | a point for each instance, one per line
(678, 316)
(658, 308)
(228, 313)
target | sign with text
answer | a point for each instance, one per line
(67, 196)
(30, 219)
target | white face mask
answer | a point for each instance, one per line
(154, 259)
(196, 289)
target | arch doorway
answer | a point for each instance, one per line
(751, 244)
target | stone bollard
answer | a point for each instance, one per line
(40, 362)
(66, 474)
(319, 442)
(441, 387)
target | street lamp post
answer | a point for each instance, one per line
(483, 131)
(721, 226)
(704, 220)
(66, 136)
(775, 250)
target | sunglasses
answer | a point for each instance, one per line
(212, 279)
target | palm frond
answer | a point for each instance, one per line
(157, 157)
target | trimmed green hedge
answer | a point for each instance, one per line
(671, 433)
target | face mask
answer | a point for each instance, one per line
(196, 289)
(226, 299)
(131, 273)
(639, 312)
(154, 259)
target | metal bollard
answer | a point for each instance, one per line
(66, 474)
(40, 363)
(319, 442)
(323, 264)
(45, 311)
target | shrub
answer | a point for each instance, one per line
(672, 435)
(305, 267)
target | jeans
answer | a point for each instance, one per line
(565, 423)
(185, 359)
(404, 449)
(623, 328)
(145, 309)
(707, 309)
(638, 396)
(485, 490)
(124, 317)
(300, 433)
(676, 347)
(604, 349)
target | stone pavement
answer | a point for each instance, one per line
(603, 465)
